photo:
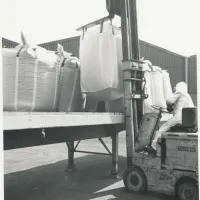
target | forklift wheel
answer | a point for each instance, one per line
(135, 180)
(187, 190)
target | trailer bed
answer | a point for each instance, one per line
(23, 129)
(35, 120)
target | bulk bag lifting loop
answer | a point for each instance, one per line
(84, 29)
(83, 33)
(101, 26)
(19, 51)
(24, 44)
(16, 101)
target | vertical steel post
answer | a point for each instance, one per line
(138, 107)
(115, 149)
(134, 29)
(71, 166)
(127, 52)
(130, 45)
(186, 70)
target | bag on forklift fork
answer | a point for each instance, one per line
(116, 106)
(100, 56)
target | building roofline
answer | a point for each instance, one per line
(11, 41)
(163, 49)
(61, 40)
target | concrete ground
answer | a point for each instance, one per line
(38, 173)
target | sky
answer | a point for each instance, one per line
(171, 24)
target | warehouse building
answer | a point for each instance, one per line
(181, 68)
(8, 43)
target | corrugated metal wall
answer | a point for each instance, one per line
(192, 77)
(8, 43)
(174, 63)
(192, 74)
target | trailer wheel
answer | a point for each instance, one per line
(187, 190)
(135, 180)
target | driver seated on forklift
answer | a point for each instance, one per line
(180, 99)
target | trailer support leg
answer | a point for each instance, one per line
(70, 166)
(115, 169)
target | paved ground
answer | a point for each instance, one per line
(39, 173)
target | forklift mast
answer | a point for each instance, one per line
(133, 77)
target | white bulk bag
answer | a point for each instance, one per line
(166, 85)
(100, 56)
(118, 38)
(30, 78)
(70, 98)
(157, 88)
(147, 103)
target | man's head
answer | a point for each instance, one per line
(181, 87)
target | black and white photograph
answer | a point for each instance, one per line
(99, 99)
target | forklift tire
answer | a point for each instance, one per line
(135, 180)
(187, 189)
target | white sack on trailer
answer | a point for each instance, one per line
(100, 56)
(30, 78)
(70, 98)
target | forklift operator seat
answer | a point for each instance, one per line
(189, 121)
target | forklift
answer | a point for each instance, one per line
(174, 169)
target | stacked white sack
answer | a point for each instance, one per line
(166, 85)
(100, 56)
(30, 78)
(157, 89)
(147, 103)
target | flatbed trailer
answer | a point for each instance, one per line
(25, 120)
(23, 129)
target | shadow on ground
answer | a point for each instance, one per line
(53, 183)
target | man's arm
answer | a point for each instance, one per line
(173, 98)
